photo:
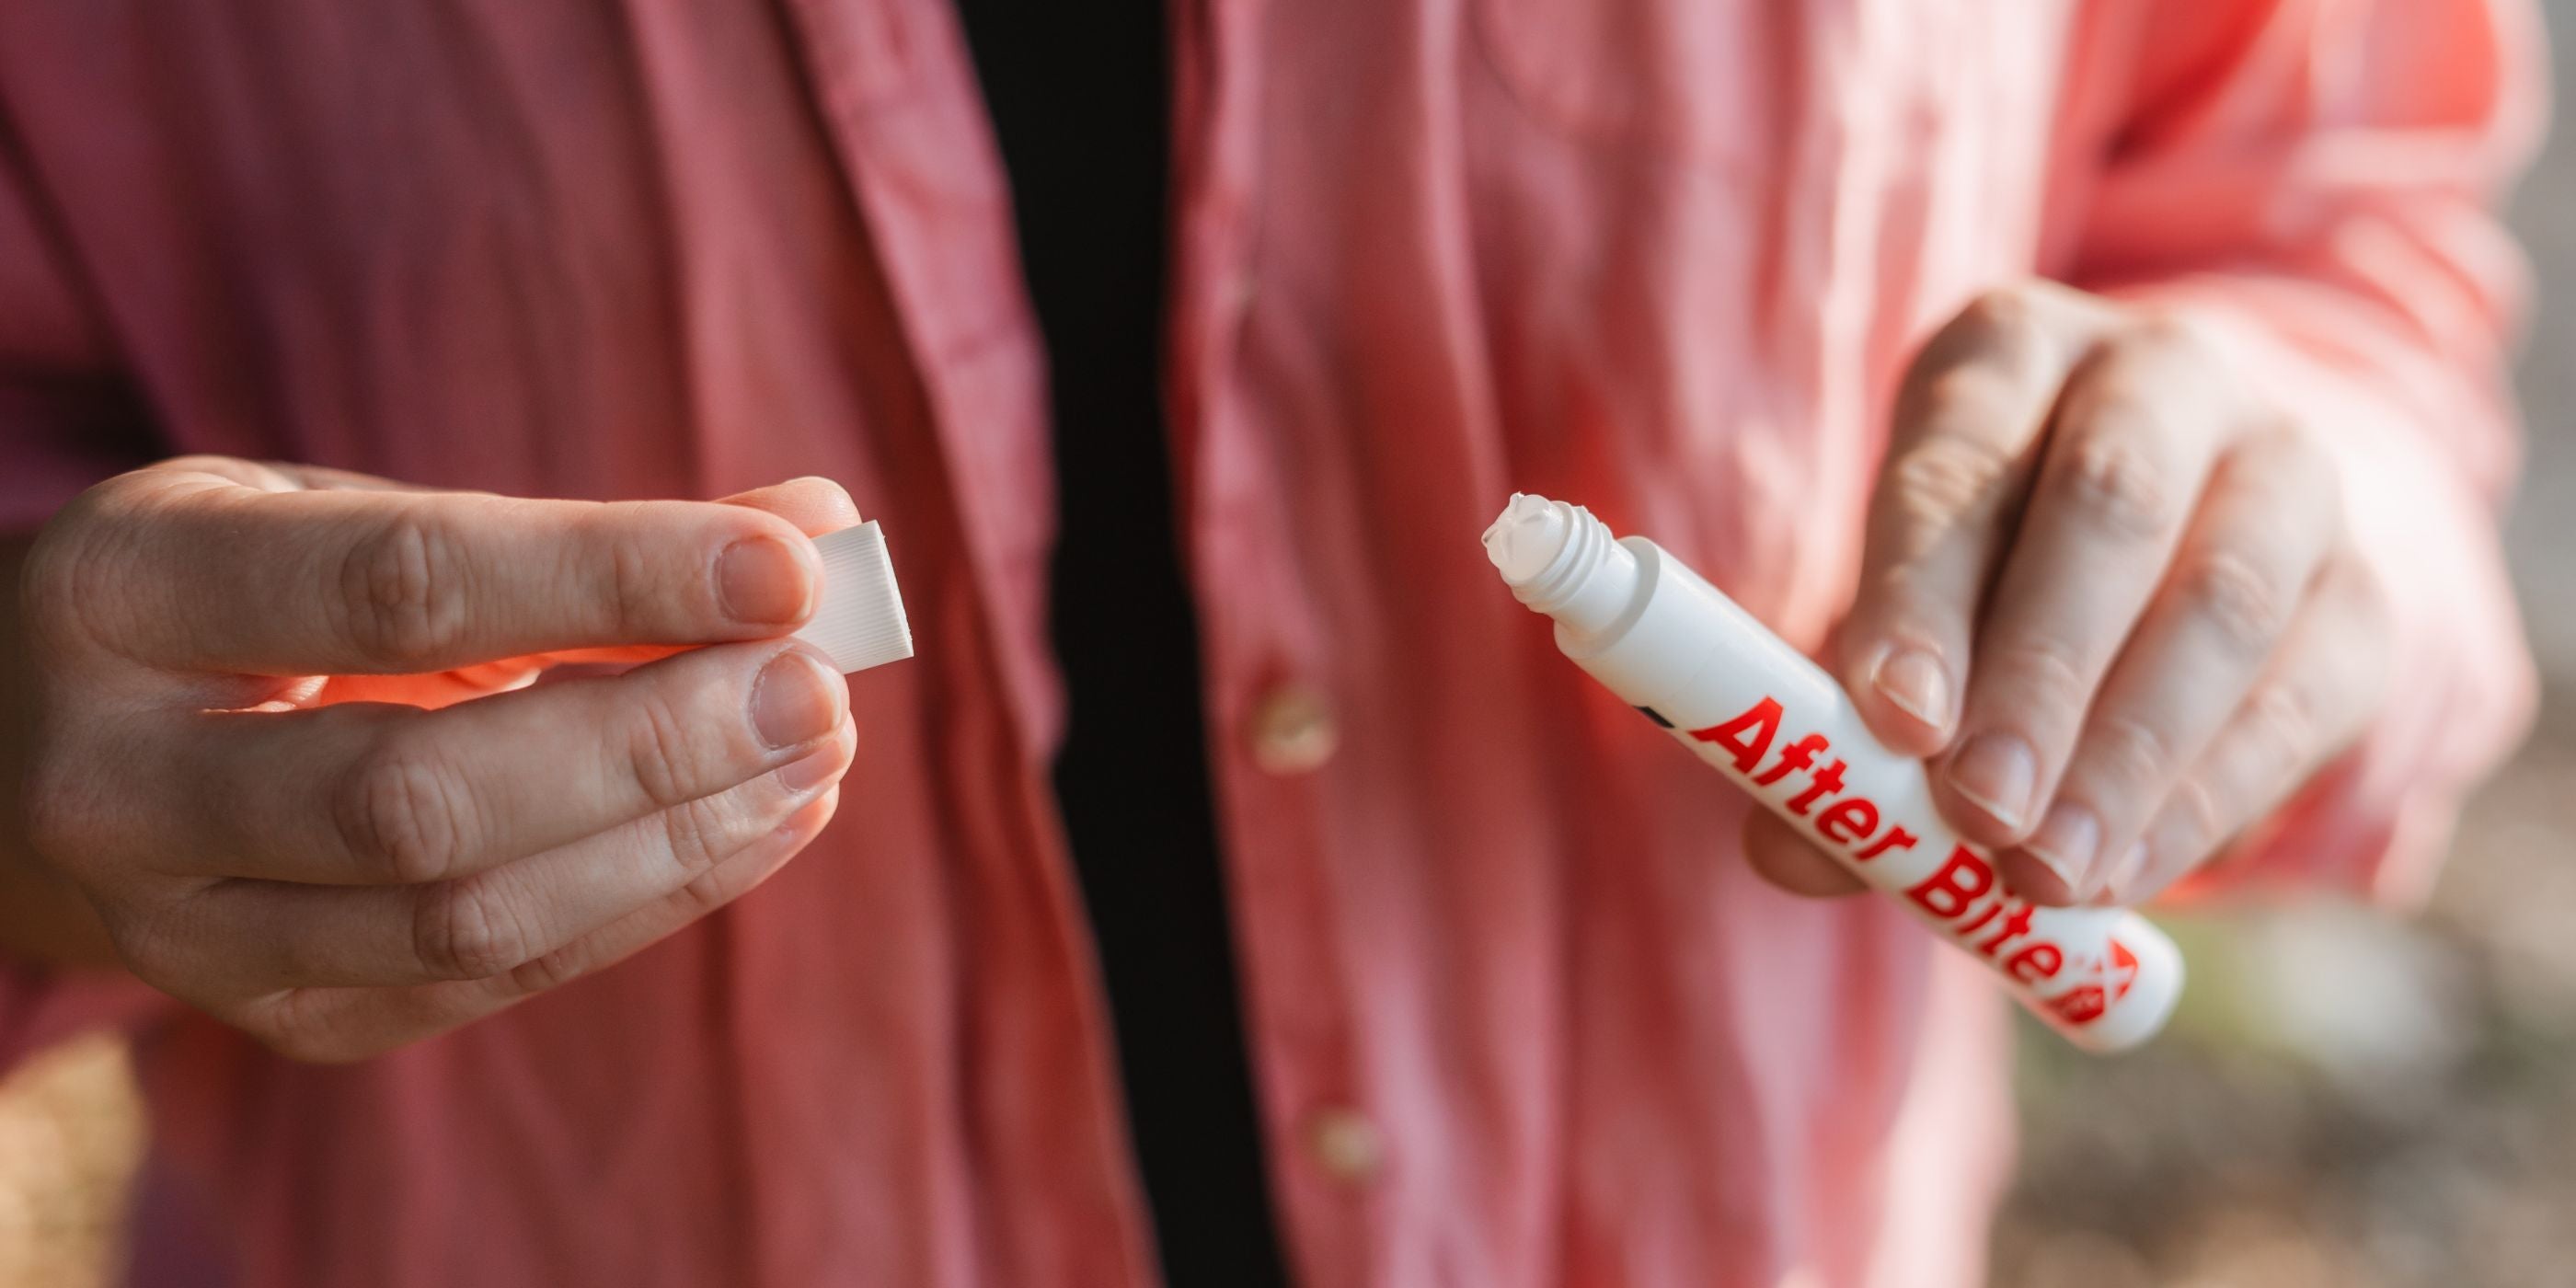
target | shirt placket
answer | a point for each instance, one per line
(898, 98)
(1275, 720)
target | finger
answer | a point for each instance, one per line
(339, 1024)
(213, 576)
(814, 505)
(1962, 443)
(713, 889)
(2136, 432)
(496, 921)
(2325, 681)
(368, 794)
(2244, 567)
(1788, 860)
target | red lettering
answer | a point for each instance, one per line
(1797, 755)
(2080, 1005)
(1848, 822)
(1981, 919)
(1825, 782)
(2035, 963)
(1897, 838)
(2014, 926)
(1748, 735)
(1962, 879)
(2124, 969)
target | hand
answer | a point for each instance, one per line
(2109, 591)
(255, 757)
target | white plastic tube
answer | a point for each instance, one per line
(1694, 662)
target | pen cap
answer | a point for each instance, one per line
(860, 622)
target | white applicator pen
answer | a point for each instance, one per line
(1694, 662)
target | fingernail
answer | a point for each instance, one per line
(796, 700)
(2066, 842)
(811, 772)
(764, 582)
(1996, 771)
(1914, 681)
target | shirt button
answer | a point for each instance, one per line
(1345, 1144)
(1293, 730)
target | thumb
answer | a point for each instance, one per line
(1786, 859)
(814, 505)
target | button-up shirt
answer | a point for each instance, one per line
(1519, 1016)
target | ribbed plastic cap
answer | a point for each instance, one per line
(860, 622)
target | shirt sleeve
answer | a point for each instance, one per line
(66, 421)
(2315, 182)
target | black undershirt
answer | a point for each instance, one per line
(1078, 95)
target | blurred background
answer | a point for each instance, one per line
(2409, 1124)
(2413, 1122)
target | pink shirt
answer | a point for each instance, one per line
(1519, 1015)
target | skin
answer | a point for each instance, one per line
(253, 779)
(2108, 591)
(249, 779)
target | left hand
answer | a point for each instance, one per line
(2109, 590)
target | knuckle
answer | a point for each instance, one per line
(2284, 719)
(2248, 606)
(67, 582)
(404, 815)
(50, 576)
(708, 891)
(2041, 674)
(634, 589)
(2003, 316)
(2159, 337)
(696, 836)
(730, 878)
(2130, 750)
(1948, 478)
(2000, 330)
(399, 594)
(548, 970)
(632, 594)
(465, 930)
(2109, 476)
(663, 757)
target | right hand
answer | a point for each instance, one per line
(252, 756)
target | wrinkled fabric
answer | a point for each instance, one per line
(1663, 257)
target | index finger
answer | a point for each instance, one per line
(204, 574)
(1963, 442)
(815, 505)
